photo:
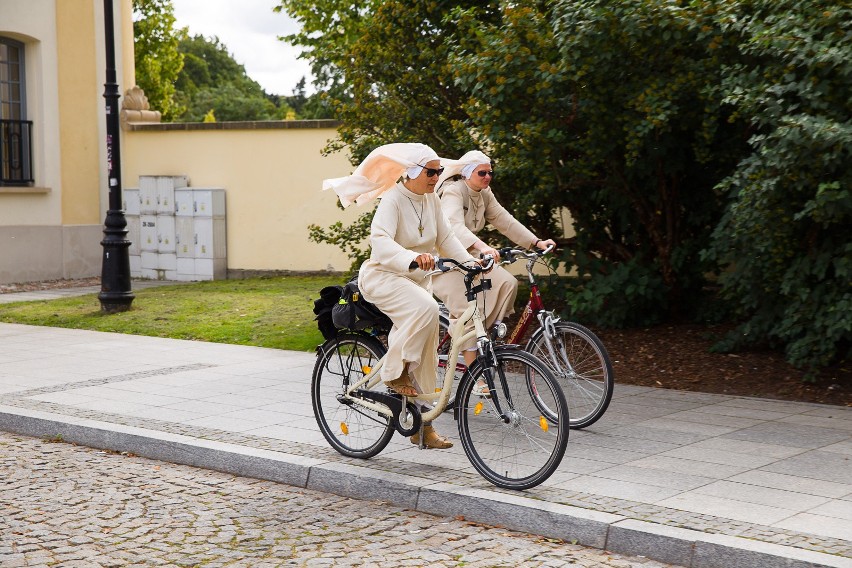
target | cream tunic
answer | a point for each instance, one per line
(405, 295)
(468, 211)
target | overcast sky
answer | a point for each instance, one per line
(250, 30)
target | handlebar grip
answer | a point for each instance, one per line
(413, 265)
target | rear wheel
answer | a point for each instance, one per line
(351, 429)
(525, 449)
(582, 367)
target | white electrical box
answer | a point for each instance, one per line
(133, 234)
(184, 237)
(184, 202)
(166, 186)
(209, 202)
(148, 240)
(210, 237)
(166, 233)
(179, 232)
(148, 195)
(130, 201)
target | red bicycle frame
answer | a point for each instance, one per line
(534, 305)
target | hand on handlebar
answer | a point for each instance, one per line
(489, 251)
(545, 244)
(423, 261)
(488, 261)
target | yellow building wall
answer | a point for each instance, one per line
(273, 182)
(79, 100)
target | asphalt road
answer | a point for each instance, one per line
(69, 506)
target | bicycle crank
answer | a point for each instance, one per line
(406, 419)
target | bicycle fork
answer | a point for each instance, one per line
(555, 349)
(488, 359)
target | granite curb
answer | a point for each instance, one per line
(616, 533)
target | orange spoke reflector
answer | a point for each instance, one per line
(344, 428)
(478, 408)
(543, 423)
(437, 390)
(366, 369)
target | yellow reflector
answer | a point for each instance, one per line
(543, 423)
(366, 369)
(437, 390)
(344, 428)
(478, 408)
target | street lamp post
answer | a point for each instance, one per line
(115, 295)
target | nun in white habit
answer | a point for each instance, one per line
(469, 204)
(408, 226)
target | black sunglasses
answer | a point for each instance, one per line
(433, 171)
(483, 173)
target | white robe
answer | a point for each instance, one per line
(406, 295)
(468, 211)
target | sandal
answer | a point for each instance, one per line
(431, 439)
(481, 389)
(402, 386)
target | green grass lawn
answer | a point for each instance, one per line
(266, 312)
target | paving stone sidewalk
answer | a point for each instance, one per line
(64, 505)
(684, 478)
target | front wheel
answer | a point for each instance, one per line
(351, 429)
(582, 367)
(509, 441)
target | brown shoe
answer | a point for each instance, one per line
(431, 439)
(402, 386)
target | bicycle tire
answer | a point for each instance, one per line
(583, 370)
(352, 430)
(526, 451)
(444, 342)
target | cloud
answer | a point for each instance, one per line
(249, 29)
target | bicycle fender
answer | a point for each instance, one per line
(507, 347)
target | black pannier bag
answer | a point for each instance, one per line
(329, 297)
(354, 312)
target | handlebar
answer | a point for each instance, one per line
(510, 254)
(447, 264)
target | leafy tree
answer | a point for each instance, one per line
(212, 80)
(786, 231)
(639, 185)
(634, 150)
(157, 58)
(384, 71)
(306, 106)
(665, 128)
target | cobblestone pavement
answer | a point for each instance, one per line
(70, 506)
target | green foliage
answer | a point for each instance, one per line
(157, 58)
(349, 238)
(786, 230)
(306, 106)
(604, 110)
(212, 80)
(686, 139)
(384, 69)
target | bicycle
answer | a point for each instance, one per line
(505, 434)
(574, 353)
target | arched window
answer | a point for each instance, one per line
(15, 130)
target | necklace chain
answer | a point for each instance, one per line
(419, 215)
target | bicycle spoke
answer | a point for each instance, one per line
(352, 430)
(525, 451)
(584, 370)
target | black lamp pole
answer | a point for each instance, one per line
(115, 295)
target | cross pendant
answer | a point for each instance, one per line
(420, 228)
